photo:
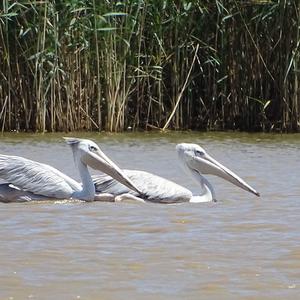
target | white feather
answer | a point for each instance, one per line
(154, 188)
(37, 178)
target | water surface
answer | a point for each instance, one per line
(241, 247)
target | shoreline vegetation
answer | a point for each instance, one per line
(112, 65)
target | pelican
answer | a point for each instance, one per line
(194, 160)
(27, 180)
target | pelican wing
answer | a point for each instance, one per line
(153, 187)
(37, 178)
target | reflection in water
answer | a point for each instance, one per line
(240, 247)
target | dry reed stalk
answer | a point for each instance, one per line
(108, 65)
(182, 90)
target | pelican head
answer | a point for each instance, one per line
(196, 159)
(89, 153)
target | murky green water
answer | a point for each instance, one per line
(240, 247)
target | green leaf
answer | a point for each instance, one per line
(107, 28)
(13, 14)
(267, 104)
(72, 21)
(114, 14)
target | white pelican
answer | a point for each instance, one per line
(27, 180)
(157, 189)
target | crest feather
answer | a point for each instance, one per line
(71, 140)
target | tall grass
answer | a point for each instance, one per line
(110, 65)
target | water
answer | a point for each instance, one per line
(241, 247)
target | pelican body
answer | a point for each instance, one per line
(194, 160)
(27, 180)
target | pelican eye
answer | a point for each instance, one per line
(92, 148)
(199, 153)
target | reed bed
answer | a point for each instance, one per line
(144, 64)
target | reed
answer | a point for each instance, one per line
(110, 65)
